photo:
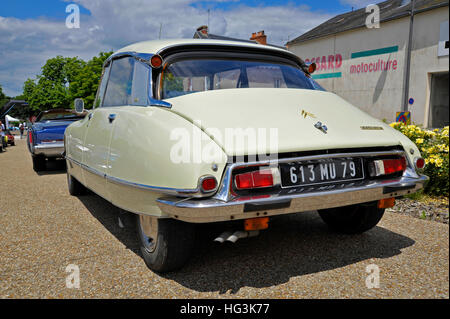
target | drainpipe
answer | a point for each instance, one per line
(408, 60)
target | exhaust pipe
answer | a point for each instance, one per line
(242, 234)
(222, 237)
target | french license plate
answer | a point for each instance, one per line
(321, 172)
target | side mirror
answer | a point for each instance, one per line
(312, 67)
(79, 105)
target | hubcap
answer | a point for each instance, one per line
(148, 227)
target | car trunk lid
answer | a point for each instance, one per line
(285, 117)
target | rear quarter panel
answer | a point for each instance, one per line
(140, 152)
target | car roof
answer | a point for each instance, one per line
(156, 46)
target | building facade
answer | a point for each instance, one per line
(368, 66)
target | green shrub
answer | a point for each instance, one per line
(433, 145)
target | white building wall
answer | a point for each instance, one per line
(425, 60)
(380, 93)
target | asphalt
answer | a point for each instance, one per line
(43, 230)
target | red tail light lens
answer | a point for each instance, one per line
(257, 179)
(388, 166)
(420, 163)
(30, 135)
(208, 184)
(394, 165)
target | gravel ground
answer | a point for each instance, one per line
(427, 208)
(43, 230)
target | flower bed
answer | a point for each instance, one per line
(433, 146)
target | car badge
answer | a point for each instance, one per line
(305, 114)
(371, 128)
(321, 127)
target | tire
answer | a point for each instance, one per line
(174, 243)
(39, 163)
(354, 219)
(75, 187)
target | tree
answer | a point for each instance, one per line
(62, 80)
(86, 81)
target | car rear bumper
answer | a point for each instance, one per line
(53, 149)
(213, 210)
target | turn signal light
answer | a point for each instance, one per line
(386, 202)
(156, 61)
(388, 166)
(311, 68)
(256, 223)
(257, 179)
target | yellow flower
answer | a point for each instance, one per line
(419, 141)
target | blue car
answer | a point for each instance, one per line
(46, 137)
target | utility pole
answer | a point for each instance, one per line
(208, 18)
(408, 60)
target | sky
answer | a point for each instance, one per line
(32, 31)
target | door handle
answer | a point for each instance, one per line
(111, 117)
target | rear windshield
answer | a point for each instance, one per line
(63, 115)
(197, 75)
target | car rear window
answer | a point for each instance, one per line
(197, 75)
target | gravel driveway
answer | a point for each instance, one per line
(43, 230)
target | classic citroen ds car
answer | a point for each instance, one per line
(203, 131)
(46, 136)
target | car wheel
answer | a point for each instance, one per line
(166, 244)
(75, 187)
(39, 163)
(352, 219)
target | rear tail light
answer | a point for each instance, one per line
(388, 166)
(208, 184)
(30, 135)
(257, 179)
(420, 163)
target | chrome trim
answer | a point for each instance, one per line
(144, 58)
(164, 190)
(151, 99)
(212, 209)
(224, 194)
(223, 190)
(52, 149)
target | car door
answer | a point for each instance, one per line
(101, 123)
(76, 134)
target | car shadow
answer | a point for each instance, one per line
(294, 245)
(53, 166)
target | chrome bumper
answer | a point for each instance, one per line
(54, 149)
(213, 210)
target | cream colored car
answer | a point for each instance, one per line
(202, 131)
